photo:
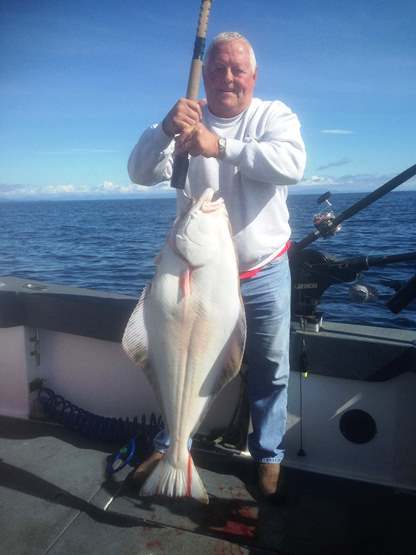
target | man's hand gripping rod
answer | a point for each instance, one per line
(181, 162)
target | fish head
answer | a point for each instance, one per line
(198, 230)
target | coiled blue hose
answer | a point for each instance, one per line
(97, 427)
(138, 434)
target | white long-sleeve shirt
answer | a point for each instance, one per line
(264, 153)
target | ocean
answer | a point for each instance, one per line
(111, 245)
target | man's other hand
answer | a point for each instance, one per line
(184, 114)
(197, 140)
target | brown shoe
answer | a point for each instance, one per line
(146, 467)
(268, 476)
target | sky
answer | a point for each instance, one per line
(81, 80)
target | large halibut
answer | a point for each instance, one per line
(188, 334)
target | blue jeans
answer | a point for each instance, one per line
(267, 302)
(266, 299)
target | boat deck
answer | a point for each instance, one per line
(55, 499)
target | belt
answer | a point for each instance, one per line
(253, 272)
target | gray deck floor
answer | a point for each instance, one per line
(54, 499)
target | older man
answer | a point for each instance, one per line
(249, 150)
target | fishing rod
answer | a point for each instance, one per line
(181, 162)
(330, 225)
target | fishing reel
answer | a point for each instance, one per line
(313, 272)
(324, 220)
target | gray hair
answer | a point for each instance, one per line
(229, 36)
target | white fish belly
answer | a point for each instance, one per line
(188, 338)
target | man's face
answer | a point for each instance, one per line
(229, 78)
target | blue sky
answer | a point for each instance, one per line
(80, 80)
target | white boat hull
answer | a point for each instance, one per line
(96, 375)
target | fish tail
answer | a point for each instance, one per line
(175, 481)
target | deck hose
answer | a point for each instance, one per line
(137, 433)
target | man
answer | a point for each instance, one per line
(250, 151)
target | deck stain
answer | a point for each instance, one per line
(234, 528)
(154, 544)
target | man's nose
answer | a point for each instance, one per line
(228, 76)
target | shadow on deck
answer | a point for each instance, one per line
(54, 499)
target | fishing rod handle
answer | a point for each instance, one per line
(181, 163)
(195, 72)
(179, 171)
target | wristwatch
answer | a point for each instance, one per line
(222, 142)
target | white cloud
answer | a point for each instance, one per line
(108, 187)
(347, 183)
(315, 183)
(337, 131)
(318, 180)
(68, 190)
(59, 189)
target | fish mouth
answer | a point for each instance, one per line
(209, 201)
(207, 195)
(212, 206)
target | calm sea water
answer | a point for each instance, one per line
(111, 245)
